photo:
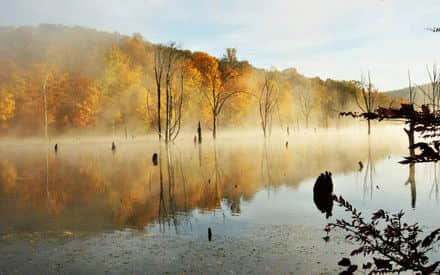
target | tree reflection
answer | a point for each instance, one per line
(93, 189)
(369, 171)
(266, 169)
(434, 187)
(412, 182)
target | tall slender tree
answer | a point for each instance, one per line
(366, 99)
(267, 102)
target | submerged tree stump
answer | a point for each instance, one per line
(323, 193)
(154, 159)
(199, 133)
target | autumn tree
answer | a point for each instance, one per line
(217, 82)
(78, 102)
(120, 87)
(7, 106)
(30, 86)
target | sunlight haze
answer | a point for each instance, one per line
(330, 39)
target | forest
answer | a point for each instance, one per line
(87, 81)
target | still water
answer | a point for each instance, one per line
(231, 185)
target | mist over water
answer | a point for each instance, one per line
(230, 184)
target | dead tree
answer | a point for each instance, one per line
(165, 66)
(305, 97)
(174, 97)
(158, 75)
(410, 131)
(44, 92)
(412, 182)
(368, 98)
(267, 100)
(433, 95)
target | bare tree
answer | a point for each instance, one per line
(367, 99)
(305, 97)
(166, 59)
(173, 102)
(159, 66)
(434, 94)
(267, 100)
(433, 29)
(412, 124)
(44, 92)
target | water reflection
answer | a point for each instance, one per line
(412, 183)
(434, 187)
(368, 182)
(96, 189)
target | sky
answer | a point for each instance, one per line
(338, 39)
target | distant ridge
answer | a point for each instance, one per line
(404, 93)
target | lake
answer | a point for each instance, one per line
(233, 185)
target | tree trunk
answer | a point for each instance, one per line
(214, 128)
(369, 126)
(412, 182)
(45, 108)
(410, 133)
(167, 111)
(199, 133)
(159, 126)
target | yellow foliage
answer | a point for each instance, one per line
(7, 105)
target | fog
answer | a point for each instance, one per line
(86, 186)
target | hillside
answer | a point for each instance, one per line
(404, 93)
(98, 80)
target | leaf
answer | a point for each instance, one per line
(430, 238)
(382, 264)
(367, 265)
(352, 268)
(344, 262)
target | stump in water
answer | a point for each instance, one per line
(361, 166)
(154, 159)
(199, 132)
(323, 193)
(113, 146)
(209, 234)
(287, 144)
(56, 147)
